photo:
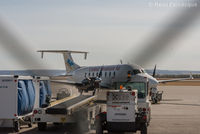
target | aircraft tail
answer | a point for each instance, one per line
(69, 62)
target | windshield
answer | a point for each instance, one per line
(143, 70)
(136, 71)
(139, 86)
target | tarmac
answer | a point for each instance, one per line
(178, 113)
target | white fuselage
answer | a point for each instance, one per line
(112, 73)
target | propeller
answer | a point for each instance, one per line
(17, 47)
(92, 81)
(163, 39)
(154, 71)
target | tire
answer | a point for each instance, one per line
(29, 125)
(16, 126)
(99, 128)
(57, 124)
(42, 126)
(144, 129)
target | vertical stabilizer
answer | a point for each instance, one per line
(69, 62)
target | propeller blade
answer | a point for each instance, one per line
(154, 71)
(163, 39)
(100, 72)
(14, 44)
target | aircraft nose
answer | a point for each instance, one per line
(153, 81)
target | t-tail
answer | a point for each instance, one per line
(69, 62)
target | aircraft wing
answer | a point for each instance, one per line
(173, 80)
(67, 82)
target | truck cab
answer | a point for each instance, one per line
(142, 88)
(128, 108)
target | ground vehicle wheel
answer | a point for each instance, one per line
(99, 128)
(42, 126)
(29, 125)
(154, 101)
(57, 124)
(16, 126)
(144, 129)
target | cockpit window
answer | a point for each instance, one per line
(136, 71)
(143, 71)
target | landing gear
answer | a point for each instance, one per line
(154, 101)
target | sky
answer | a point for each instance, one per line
(108, 29)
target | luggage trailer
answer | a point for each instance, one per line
(78, 110)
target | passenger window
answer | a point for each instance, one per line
(109, 74)
(113, 74)
(105, 74)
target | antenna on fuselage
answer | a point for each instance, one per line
(121, 61)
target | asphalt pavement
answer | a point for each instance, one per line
(178, 113)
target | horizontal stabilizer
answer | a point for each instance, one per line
(61, 51)
(69, 62)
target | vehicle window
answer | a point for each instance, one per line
(139, 86)
(85, 74)
(109, 74)
(105, 74)
(97, 74)
(89, 74)
(93, 74)
(136, 71)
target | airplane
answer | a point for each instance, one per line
(84, 77)
(88, 78)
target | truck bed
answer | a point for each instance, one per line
(62, 107)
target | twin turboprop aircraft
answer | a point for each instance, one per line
(87, 78)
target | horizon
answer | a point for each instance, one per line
(109, 30)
